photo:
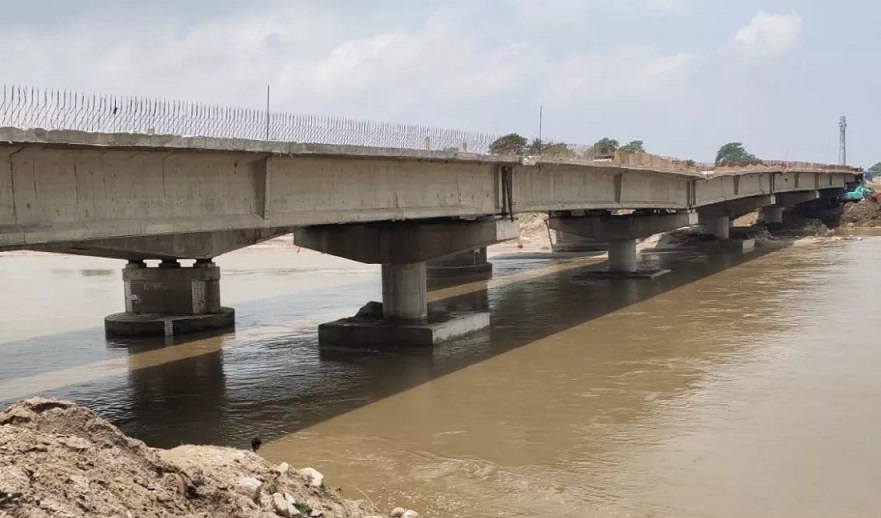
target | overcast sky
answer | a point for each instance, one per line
(685, 76)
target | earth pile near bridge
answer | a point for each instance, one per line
(864, 213)
(61, 459)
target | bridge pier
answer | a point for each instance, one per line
(170, 300)
(404, 292)
(622, 256)
(404, 249)
(471, 263)
(720, 227)
(621, 233)
(772, 216)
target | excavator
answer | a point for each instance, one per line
(863, 190)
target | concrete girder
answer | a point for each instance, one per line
(196, 245)
(736, 208)
(617, 228)
(406, 241)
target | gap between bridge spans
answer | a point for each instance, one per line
(18, 388)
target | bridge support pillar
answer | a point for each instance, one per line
(472, 263)
(772, 215)
(720, 227)
(621, 234)
(404, 249)
(169, 300)
(404, 292)
(622, 256)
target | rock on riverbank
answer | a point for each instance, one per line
(60, 459)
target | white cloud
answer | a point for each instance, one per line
(769, 35)
(470, 65)
(630, 73)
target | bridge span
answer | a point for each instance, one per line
(159, 197)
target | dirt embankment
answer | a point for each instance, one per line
(865, 213)
(60, 459)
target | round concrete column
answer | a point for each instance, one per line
(720, 227)
(772, 215)
(169, 300)
(470, 263)
(404, 291)
(622, 256)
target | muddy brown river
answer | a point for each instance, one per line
(738, 385)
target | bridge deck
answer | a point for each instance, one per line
(60, 186)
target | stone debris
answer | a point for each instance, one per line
(59, 459)
(314, 478)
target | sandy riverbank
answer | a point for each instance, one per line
(61, 459)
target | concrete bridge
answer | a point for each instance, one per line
(169, 198)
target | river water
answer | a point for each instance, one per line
(737, 385)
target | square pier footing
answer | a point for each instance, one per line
(733, 245)
(638, 274)
(359, 331)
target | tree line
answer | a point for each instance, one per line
(514, 144)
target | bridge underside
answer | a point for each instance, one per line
(141, 197)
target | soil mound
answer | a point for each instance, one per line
(864, 213)
(60, 459)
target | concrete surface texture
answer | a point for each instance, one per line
(461, 264)
(60, 187)
(169, 300)
(140, 197)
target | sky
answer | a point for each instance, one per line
(684, 76)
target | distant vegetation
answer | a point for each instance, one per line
(634, 146)
(733, 153)
(876, 169)
(514, 144)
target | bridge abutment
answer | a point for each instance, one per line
(170, 300)
(471, 263)
(404, 249)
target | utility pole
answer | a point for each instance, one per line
(540, 116)
(842, 145)
(267, 112)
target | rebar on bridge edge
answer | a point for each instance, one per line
(50, 109)
(54, 109)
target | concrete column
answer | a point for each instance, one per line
(404, 291)
(622, 256)
(472, 262)
(169, 300)
(772, 215)
(719, 227)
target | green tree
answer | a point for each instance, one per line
(605, 146)
(733, 152)
(550, 149)
(634, 146)
(558, 150)
(876, 169)
(511, 144)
